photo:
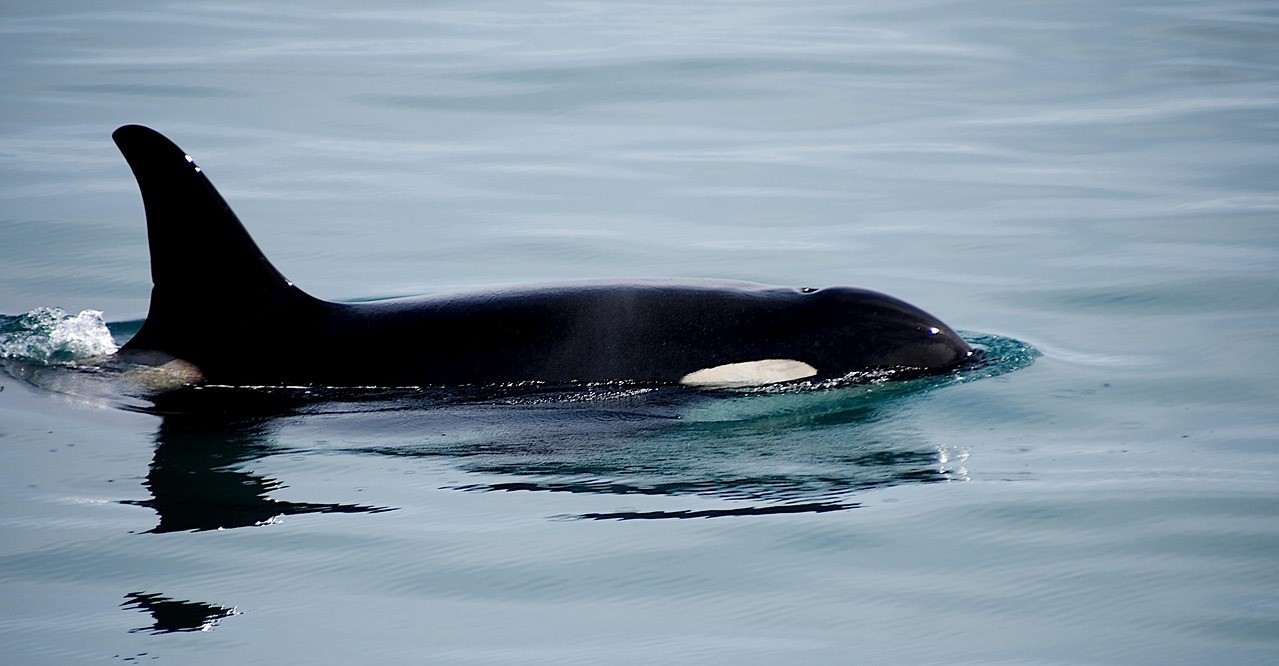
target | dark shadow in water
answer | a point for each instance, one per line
(765, 454)
(173, 615)
(814, 507)
(198, 479)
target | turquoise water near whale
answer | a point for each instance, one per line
(1092, 181)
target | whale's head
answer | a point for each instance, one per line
(880, 331)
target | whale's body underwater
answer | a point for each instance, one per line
(222, 314)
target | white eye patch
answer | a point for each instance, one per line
(750, 373)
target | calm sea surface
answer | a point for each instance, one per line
(1089, 189)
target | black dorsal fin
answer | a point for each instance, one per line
(204, 265)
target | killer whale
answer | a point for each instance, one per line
(221, 314)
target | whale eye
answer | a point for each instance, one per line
(933, 330)
(806, 290)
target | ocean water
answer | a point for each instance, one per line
(1088, 190)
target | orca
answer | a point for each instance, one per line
(221, 314)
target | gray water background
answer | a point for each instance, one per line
(1096, 179)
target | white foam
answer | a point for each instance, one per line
(50, 335)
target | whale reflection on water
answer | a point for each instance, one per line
(175, 615)
(748, 455)
(200, 477)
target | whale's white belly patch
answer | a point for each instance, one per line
(751, 373)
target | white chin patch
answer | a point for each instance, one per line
(751, 373)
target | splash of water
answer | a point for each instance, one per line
(51, 336)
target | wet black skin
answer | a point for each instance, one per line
(218, 303)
